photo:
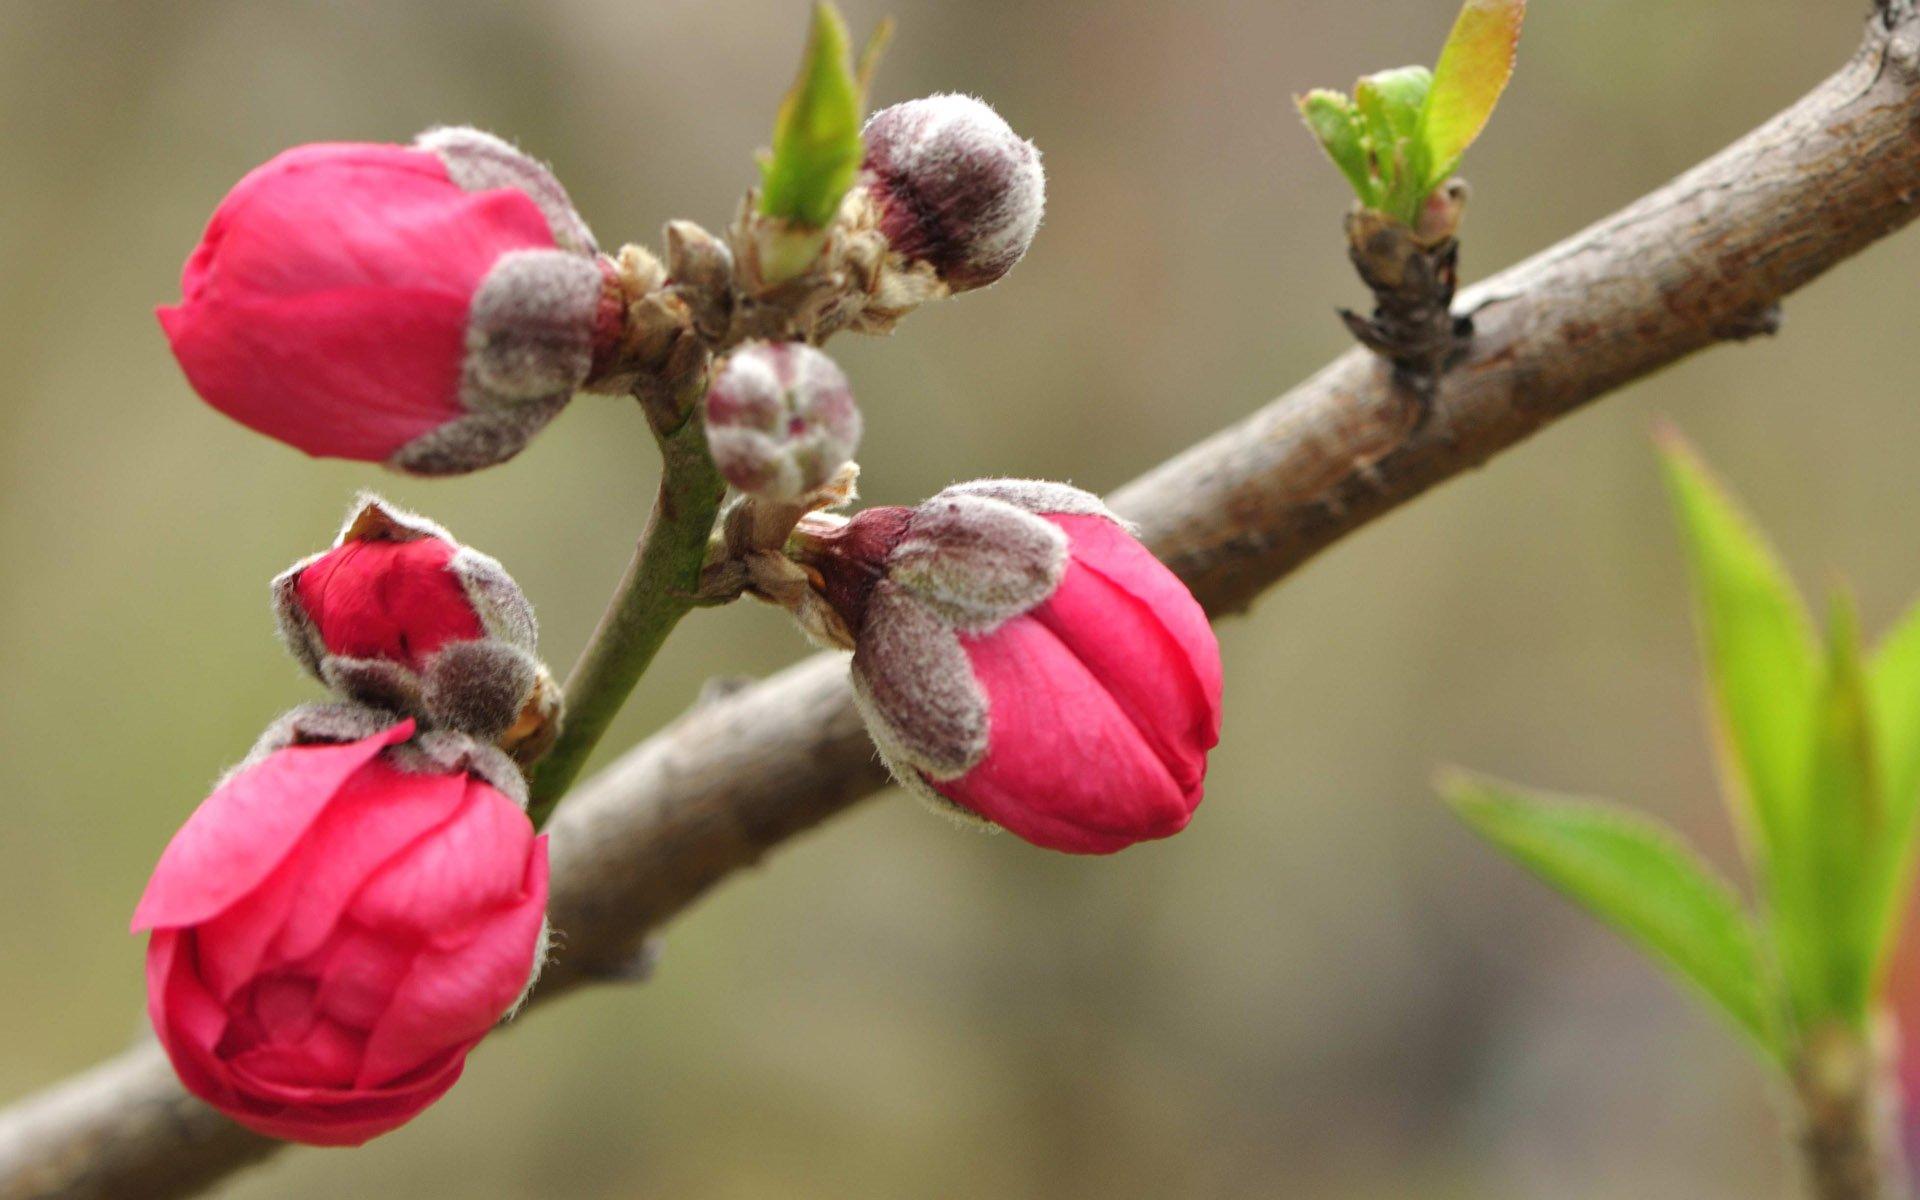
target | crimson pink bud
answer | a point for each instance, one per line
(429, 306)
(335, 928)
(1019, 654)
(781, 420)
(956, 187)
(401, 616)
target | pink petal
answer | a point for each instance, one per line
(377, 813)
(247, 827)
(1147, 643)
(231, 948)
(1065, 766)
(324, 1056)
(472, 865)
(339, 1116)
(359, 972)
(456, 993)
(271, 176)
(178, 1005)
(1113, 552)
(309, 222)
(349, 373)
(284, 1007)
(186, 1018)
(380, 813)
(390, 600)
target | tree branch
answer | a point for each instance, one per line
(1702, 260)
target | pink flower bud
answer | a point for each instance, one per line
(956, 187)
(429, 306)
(335, 928)
(1019, 654)
(781, 420)
(401, 616)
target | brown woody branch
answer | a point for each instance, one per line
(1706, 258)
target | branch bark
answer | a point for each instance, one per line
(1707, 258)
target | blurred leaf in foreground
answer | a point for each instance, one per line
(1638, 877)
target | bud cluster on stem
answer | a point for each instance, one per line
(948, 200)
(363, 898)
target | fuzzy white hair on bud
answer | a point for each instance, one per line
(542, 951)
(530, 329)
(956, 187)
(373, 681)
(479, 439)
(478, 687)
(1042, 496)
(915, 687)
(503, 609)
(372, 517)
(978, 561)
(449, 751)
(297, 631)
(310, 724)
(478, 161)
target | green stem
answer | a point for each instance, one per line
(658, 589)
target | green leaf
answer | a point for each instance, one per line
(1763, 663)
(1829, 901)
(1331, 118)
(1893, 693)
(1894, 682)
(1641, 879)
(1390, 103)
(1797, 734)
(816, 138)
(870, 56)
(1473, 70)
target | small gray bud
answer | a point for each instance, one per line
(956, 187)
(701, 269)
(781, 420)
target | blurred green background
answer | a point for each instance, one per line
(1325, 988)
